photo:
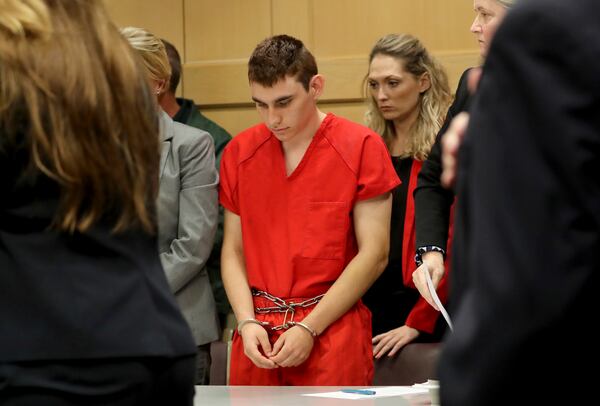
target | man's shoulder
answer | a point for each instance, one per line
(574, 17)
(345, 134)
(549, 8)
(340, 130)
(202, 122)
(349, 139)
(244, 145)
(207, 124)
(553, 31)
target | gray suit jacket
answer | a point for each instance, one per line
(187, 221)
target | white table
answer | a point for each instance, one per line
(290, 396)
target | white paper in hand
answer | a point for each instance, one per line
(435, 297)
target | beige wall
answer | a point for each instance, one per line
(216, 37)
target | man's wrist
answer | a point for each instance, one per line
(306, 328)
(244, 322)
(425, 249)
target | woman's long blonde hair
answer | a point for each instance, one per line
(434, 102)
(75, 98)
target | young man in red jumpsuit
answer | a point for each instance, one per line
(307, 216)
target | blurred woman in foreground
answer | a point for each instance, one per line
(87, 316)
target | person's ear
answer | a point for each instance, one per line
(316, 86)
(160, 87)
(424, 82)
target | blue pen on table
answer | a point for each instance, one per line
(359, 391)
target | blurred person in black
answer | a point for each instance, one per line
(86, 314)
(527, 246)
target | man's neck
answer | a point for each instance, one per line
(294, 150)
(302, 140)
(169, 104)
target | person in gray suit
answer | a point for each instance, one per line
(187, 206)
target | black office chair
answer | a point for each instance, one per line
(219, 367)
(415, 363)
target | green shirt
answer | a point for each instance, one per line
(190, 115)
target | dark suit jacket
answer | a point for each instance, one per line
(187, 221)
(74, 296)
(433, 201)
(527, 250)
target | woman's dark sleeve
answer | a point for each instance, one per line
(432, 200)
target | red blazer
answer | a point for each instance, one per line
(422, 317)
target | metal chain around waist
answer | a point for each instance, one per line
(281, 306)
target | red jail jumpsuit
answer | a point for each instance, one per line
(298, 237)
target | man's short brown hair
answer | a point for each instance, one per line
(175, 62)
(279, 56)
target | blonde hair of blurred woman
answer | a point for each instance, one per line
(434, 102)
(153, 53)
(74, 98)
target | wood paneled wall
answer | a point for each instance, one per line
(216, 37)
